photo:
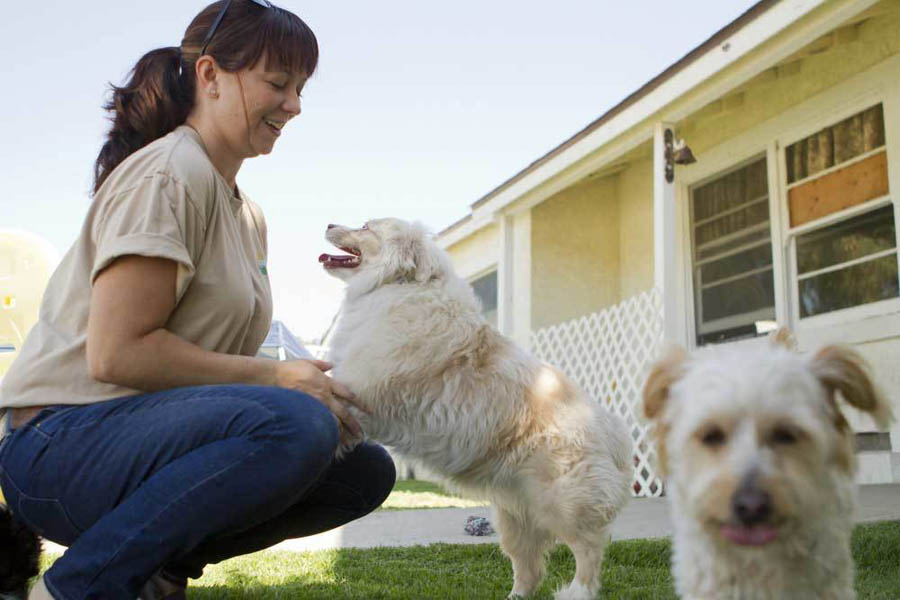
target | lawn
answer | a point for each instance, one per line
(411, 493)
(632, 569)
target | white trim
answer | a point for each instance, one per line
(749, 51)
(840, 216)
(665, 233)
(833, 168)
(505, 279)
(777, 219)
(470, 279)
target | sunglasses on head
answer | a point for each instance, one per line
(221, 15)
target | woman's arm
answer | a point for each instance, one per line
(127, 343)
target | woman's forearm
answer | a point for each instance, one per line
(161, 360)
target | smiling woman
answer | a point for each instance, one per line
(141, 378)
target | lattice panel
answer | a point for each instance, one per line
(607, 354)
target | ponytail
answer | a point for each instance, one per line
(155, 101)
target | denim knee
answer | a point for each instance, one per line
(304, 428)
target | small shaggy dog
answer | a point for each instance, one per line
(446, 389)
(760, 464)
(20, 549)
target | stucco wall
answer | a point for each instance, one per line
(824, 63)
(477, 253)
(575, 252)
(636, 228)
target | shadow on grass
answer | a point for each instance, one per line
(633, 569)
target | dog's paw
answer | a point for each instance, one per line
(575, 591)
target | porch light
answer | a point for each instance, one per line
(677, 153)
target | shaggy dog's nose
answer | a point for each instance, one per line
(751, 505)
(331, 226)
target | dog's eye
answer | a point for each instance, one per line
(713, 437)
(364, 227)
(784, 436)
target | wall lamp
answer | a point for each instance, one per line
(677, 153)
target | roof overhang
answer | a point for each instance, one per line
(768, 32)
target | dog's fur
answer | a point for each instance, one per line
(21, 549)
(446, 389)
(760, 464)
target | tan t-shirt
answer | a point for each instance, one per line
(165, 200)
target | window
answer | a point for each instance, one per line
(731, 255)
(486, 290)
(845, 253)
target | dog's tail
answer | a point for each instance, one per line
(19, 560)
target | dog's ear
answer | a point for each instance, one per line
(784, 338)
(842, 369)
(412, 256)
(666, 371)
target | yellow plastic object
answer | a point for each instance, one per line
(26, 263)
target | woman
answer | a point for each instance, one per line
(142, 431)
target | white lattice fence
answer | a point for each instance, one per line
(606, 354)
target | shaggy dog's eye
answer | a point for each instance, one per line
(364, 227)
(713, 437)
(784, 436)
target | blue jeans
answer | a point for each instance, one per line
(179, 479)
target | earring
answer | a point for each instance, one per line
(214, 93)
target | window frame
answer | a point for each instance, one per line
(471, 279)
(695, 295)
(841, 319)
(864, 323)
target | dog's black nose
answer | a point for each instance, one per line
(751, 505)
(331, 226)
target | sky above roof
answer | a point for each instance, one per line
(417, 110)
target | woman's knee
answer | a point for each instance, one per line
(380, 472)
(304, 428)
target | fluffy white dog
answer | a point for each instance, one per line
(760, 464)
(446, 389)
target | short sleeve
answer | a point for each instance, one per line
(155, 218)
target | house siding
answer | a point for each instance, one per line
(575, 252)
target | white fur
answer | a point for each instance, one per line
(446, 389)
(750, 394)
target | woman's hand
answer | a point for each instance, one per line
(309, 377)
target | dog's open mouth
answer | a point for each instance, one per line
(755, 535)
(332, 261)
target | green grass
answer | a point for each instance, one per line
(633, 569)
(411, 493)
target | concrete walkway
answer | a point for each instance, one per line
(642, 518)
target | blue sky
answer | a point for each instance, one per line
(417, 110)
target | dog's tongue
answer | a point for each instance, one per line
(750, 536)
(330, 260)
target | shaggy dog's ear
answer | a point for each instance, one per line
(666, 371)
(783, 337)
(842, 369)
(411, 256)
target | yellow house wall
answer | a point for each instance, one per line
(575, 252)
(478, 253)
(636, 228)
(830, 60)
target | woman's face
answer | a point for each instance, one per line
(254, 105)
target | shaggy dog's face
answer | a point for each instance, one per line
(752, 439)
(382, 251)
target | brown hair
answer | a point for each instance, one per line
(160, 94)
